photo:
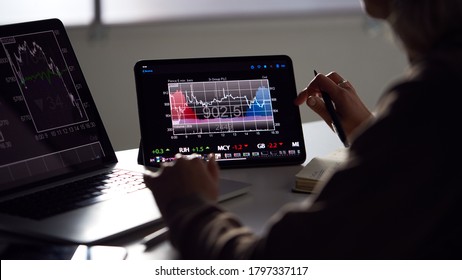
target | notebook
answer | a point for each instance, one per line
(51, 134)
(240, 108)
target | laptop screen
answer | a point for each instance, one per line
(239, 108)
(49, 125)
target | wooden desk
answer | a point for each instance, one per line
(270, 188)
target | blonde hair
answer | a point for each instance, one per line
(422, 24)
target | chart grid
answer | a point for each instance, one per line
(221, 106)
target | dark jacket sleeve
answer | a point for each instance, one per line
(200, 229)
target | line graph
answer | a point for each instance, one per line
(221, 106)
(44, 79)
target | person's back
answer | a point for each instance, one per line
(399, 195)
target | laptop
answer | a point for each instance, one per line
(240, 108)
(53, 143)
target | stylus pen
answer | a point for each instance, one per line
(155, 238)
(333, 115)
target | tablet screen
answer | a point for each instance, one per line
(241, 109)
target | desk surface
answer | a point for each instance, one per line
(270, 188)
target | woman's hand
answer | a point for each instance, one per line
(185, 176)
(350, 109)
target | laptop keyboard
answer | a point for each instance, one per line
(74, 195)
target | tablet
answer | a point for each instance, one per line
(241, 109)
